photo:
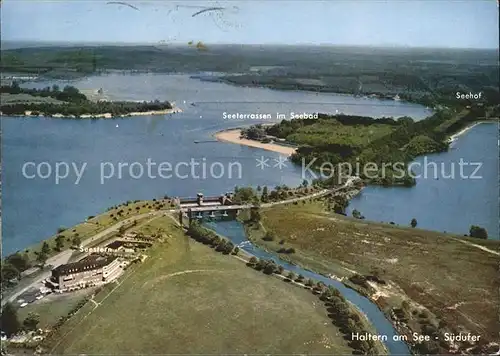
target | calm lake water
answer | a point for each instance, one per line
(34, 208)
(445, 199)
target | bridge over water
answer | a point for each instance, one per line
(198, 208)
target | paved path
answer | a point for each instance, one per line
(267, 205)
(64, 256)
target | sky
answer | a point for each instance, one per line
(413, 23)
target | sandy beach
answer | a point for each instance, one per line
(109, 115)
(233, 136)
(454, 137)
(143, 113)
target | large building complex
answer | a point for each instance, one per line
(90, 271)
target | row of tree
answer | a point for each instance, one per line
(339, 310)
(68, 94)
(114, 108)
(247, 195)
(208, 237)
(341, 313)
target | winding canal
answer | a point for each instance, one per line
(234, 231)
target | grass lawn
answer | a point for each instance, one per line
(10, 99)
(456, 281)
(326, 132)
(93, 225)
(185, 298)
(52, 307)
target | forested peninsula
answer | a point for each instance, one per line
(338, 141)
(70, 102)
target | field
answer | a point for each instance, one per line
(26, 99)
(188, 299)
(455, 278)
(93, 225)
(328, 132)
(52, 307)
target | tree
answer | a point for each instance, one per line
(256, 202)
(413, 222)
(334, 292)
(261, 264)
(351, 326)
(19, 261)
(255, 215)
(269, 236)
(76, 241)
(9, 272)
(291, 276)
(356, 214)
(243, 195)
(265, 195)
(229, 247)
(280, 270)
(253, 260)
(41, 258)
(236, 250)
(341, 203)
(273, 196)
(270, 267)
(45, 248)
(305, 183)
(325, 294)
(478, 232)
(59, 242)
(320, 286)
(9, 321)
(31, 321)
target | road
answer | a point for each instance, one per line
(267, 205)
(64, 256)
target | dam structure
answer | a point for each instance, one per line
(208, 207)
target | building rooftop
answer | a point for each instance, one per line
(90, 262)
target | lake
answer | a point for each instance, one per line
(33, 209)
(444, 199)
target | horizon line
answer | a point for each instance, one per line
(166, 44)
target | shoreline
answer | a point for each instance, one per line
(233, 136)
(456, 135)
(103, 115)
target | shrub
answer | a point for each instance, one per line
(269, 236)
